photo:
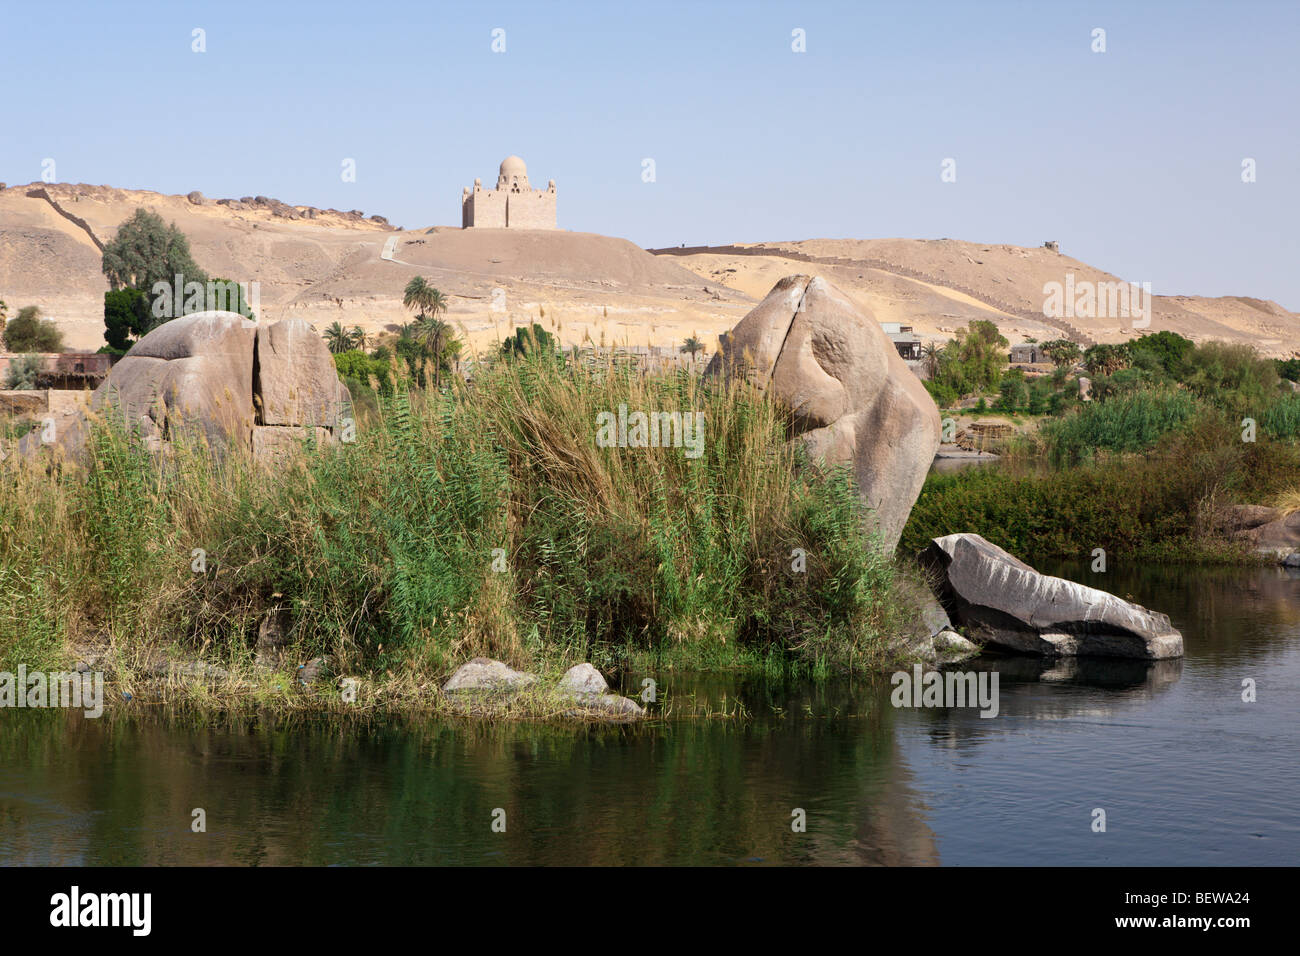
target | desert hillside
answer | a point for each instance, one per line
(325, 265)
(940, 284)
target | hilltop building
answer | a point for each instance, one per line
(512, 205)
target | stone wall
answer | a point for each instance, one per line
(501, 209)
(484, 208)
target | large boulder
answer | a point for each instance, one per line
(194, 372)
(223, 377)
(852, 398)
(298, 383)
(1003, 602)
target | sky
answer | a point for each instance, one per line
(1131, 158)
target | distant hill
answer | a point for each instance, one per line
(326, 265)
(938, 285)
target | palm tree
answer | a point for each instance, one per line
(423, 298)
(428, 329)
(693, 345)
(338, 338)
(930, 352)
(439, 342)
(359, 338)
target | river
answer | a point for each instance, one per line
(1184, 769)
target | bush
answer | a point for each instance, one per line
(1232, 377)
(973, 361)
(28, 332)
(23, 371)
(1282, 419)
(1157, 505)
(1288, 369)
(1130, 422)
(1169, 350)
(365, 370)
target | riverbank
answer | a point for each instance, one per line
(1170, 502)
(486, 520)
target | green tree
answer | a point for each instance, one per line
(1062, 352)
(227, 295)
(28, 332)
(439, 344)
(338, 338)
(1169, 349)
(423, 299)
(1288, 369)
(973, 361)
(146, 250)
(126, 314)
(1107, 359)
(692, 346)
(930, 354)
(1013, 393)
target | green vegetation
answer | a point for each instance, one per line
(1159, 505)
(28, 332)
(23, 371)
(1128, 422)
(1155, 386)
(146, 251)
(1288, 369)
(532, 340)
(479, 519)
(126, 317)
(974, 361)
(1062, 352)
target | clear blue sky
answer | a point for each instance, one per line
(1130, 158)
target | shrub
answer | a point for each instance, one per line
(1129, 422)
(1158, 505)
(1232, 377)
(23, 371)
(28, 332)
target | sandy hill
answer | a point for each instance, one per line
(938, 285)
(327, 265)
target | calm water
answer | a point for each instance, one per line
(1186, 772)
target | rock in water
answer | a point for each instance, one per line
(1004, 602)
(853, 400)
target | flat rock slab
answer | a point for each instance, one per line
(1003, 602)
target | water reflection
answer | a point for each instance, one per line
(1188, 772)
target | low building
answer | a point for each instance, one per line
(907, 342)
(63, 370)
(1028, 353)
